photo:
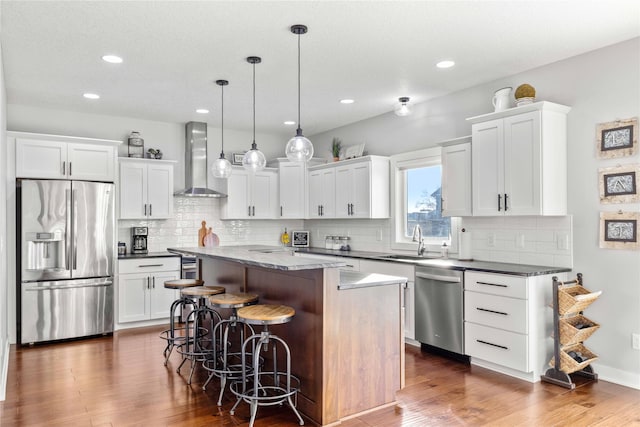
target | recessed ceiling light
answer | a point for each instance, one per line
(289, 122)
(347, 101)
(91, 96)
(112, 59)
(202, 111)
(445, 64)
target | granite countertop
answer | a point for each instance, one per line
(356, 279)
(449, 263)
(273, 257)
(148, 255)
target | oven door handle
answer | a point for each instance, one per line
(439, 278)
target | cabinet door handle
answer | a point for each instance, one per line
(154, 282)
(64, 168)
(321, 210)
(253, 211)
(492, 311)
(493, 345)
(150, 209)
(70, 169)
(280, 210)
(145, 209)
(493, 284)
(505, 202)
(499, 202)
(148, 282)
(150, 265)
(248, 210)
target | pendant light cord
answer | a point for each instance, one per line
(254, 105)
(299, 82)
(222, 121)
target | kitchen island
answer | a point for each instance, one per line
(346, 338)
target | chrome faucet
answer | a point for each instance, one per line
(417, 237)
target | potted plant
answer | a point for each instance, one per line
(336, 146)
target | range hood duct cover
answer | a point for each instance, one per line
(195, 163)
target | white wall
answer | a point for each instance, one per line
(600, 86)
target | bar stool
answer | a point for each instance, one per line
(202, 293)
(198, 346)
(176, 335)
(226, 364)
(267, 387)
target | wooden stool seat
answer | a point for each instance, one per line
(182, 283)
(202, 291)
(233, 300)
(266, 314)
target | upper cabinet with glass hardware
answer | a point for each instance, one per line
(519, 161)
(356, 188)
(58, 157)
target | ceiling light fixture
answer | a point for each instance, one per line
(91, 95)
(402, 107)
(289, 123)
(221, 166)
(445, 64)
(299, 148)
(112, 59)
(347, 101)
(253, 160)
(202, 111)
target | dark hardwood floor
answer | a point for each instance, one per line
(121, 381)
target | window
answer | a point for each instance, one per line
(417, 179)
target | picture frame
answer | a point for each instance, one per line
(352, 151)
(236, 158)
(617, 139)
(619, 184)
(300, 239)
(619, 230)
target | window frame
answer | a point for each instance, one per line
(399, 164)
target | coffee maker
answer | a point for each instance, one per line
(139, 236)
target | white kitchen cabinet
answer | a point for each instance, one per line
(456, 179)
(55, 158)
(292, 187)
(322, 193)
(146, 189)
(519, 161)
(361, 189)
(508, 323)
(402, 270)
(141, 292)
(251, 195)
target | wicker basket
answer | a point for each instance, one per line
(568, 364)
(570, 335)
(574, 298)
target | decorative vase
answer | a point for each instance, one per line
(336, 159)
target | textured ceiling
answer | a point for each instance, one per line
(371, 51)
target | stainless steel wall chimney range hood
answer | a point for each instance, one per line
(195, 163)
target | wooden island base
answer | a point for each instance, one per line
(346, 344)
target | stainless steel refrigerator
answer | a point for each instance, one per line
(65, 258)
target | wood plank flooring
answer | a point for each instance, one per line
(121, 381)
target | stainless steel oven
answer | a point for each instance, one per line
(189, 267)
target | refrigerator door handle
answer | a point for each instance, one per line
(67, 237)
(74, 233)
(70, 286)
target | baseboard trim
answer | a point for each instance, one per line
(617, 376)
(4, 362)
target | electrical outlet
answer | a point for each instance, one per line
(379, 235)
(635, 341)
(562, 241)
(491, 240)
(520, 240)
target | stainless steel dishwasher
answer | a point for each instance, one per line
(439, 308)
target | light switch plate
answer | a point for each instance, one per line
(491, 240)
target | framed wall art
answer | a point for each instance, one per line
(619, 230)
(236, 158)
(617, 139)
(300, 239)
(619, 184)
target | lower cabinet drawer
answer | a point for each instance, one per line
(498, 312)
(497, 346)
(146, 265)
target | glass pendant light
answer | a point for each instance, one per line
(299, 148)
(222, 166)
(253, 160)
